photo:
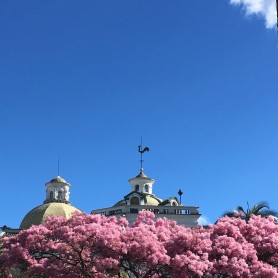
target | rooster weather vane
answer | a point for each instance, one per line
(141, 150)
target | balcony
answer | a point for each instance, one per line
(162, 210)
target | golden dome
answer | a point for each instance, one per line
(38, 215)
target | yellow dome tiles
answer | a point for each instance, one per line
(39, 214)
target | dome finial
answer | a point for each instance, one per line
(141, 150)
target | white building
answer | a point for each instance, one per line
(56, 204)
(141, 198)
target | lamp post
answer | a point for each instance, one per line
(180, 193)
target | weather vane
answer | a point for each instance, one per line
(141, 150)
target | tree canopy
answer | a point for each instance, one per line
(93, 246)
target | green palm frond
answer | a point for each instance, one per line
(260, 208)
(267, 212)
(240, 209)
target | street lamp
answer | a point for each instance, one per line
(180, 193)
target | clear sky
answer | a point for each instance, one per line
(82, 81)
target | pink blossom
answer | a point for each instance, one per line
(96, 246)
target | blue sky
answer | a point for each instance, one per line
(82, 81)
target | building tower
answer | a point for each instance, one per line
(57, 191)
(141, 198)
(56, 204)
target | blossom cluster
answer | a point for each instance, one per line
(95, 246)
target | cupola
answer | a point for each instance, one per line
(141, 183)
(57, 190)
(56, 204)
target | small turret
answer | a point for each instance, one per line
(57, 191)
(142, 183)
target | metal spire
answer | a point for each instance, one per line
(141, 150)
(58, 166)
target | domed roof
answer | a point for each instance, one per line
(150, 200)
(141, 174)
(38, 215)
(58, 179)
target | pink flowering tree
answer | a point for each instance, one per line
(83, 246)
(262, 233)
(234, 253)
(93, 246)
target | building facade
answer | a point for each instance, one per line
(141, 198)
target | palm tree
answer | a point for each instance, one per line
(261, 208)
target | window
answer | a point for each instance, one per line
(51, 195)
(174, 204)
(134, 201)
(147, 188)
(60, 195)
(186, 211)
(132, 210)
(137, 187)
(115, 212)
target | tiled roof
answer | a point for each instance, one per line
(38, 215)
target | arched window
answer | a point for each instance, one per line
(51, 195)
(134, 201)
(137, 187)
(174, 204)
(59, 195)
(147, 188)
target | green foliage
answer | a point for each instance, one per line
(261, 209)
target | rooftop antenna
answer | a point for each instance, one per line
(141, 150)
(58, 166)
